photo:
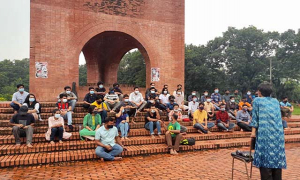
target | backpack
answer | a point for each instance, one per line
(188, 141)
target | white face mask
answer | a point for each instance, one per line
(101, 86)
(152, 92)
(57, 116)
(232, 100)
(205, 94)
(136, 92)
(178, 93)
(165, 92)
(208, 100)
(152, 110)
(65, 100)
(126, 100)
(193, 94)
(68, 92)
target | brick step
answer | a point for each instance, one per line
(44, 104)
(89, 154)
(140, 140)
(140, 133)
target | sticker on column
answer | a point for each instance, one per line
(41, 69)
(155, 74)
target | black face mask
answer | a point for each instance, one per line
(99, 102)
(110, 126)
(235, 93)
(285, 101)
(201, 108)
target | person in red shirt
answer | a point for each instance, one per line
(65, 109)
(223, 121)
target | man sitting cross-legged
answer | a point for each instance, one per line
(223, 121)
(243, 119)
(200, 120)
(152, 121)
(112, 100)
(173, 135)
(18, 98)
(108, 141)
(177, 111)
(23, 123)
(136, 98)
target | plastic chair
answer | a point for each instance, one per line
(246, 157)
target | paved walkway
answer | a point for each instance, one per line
(204, 165)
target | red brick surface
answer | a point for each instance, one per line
(204, 165)
(61, 29)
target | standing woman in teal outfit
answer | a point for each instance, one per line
(267, 127)
(91, 122)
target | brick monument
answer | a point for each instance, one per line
(104, 30)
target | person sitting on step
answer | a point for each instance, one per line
(151, 91)
(209, 108)
(112, 100)
(56, 128)
(34, 106)
(216, 99)
(223, 121)
(173, 135)
(204, 96)
(23, 123)
(71, 97)
(100, 90)
(164, 98)
(193, 106)
(232, 108)
(18, 98)
(152, 121)
(192, 96)
(286, 108)
(118, 91)
(200, 120)
(108, 141)
(177, 111)
(122, 122)
(66, 109)
(284, 122)
(170, 105)
(179, 99)
(244, 102)
(129, 107)
(243, 119)
(102, 107)
(89, 98)
(91, 123)
(137, 99)
(151, 101)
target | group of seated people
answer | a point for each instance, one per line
(205, 112)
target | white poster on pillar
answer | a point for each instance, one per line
(155, 74)
(41, 69)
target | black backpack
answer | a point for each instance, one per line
(188, 141)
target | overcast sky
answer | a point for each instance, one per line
(205, 20)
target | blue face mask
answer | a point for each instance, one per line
(126, 100)
(57, 116)
(21, 90)
(216, 91)
(92, 92)
(31, 99)
(101, 86)
(123, 111)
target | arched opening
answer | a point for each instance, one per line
(82, 70)
(132, 69)
(104, 52)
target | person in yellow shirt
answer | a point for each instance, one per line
(200, 120)
(101, 105)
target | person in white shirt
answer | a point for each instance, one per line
(193, 106)
(164, 97)
(179, 99)
(136, 98)
(18, 98)
(179, 86)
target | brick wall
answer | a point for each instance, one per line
(104, 30)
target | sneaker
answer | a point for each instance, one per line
(70, 127)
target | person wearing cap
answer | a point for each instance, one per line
(18, 98)
(71, 97)
(112, 100)
(108, 142)
(23, 123)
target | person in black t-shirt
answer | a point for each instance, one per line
(118, 91)
(100, 90)
(152, 121)
(89, 98)
(23, 123)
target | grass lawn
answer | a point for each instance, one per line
(296, 109)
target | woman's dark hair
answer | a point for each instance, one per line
(27, 98)
(91, 109)
(164, 89)
(19, 85)
(55, 110)
(152, 88)
(265, 89)
(100, 82)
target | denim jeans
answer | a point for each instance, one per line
(72, 103)
(109, 155)
(15, 106)
(199, 127)
(152, 125)
(221, 126)
(123, 127)
(57, 132)
(103, 115)
(284, 124)
(68, 116)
